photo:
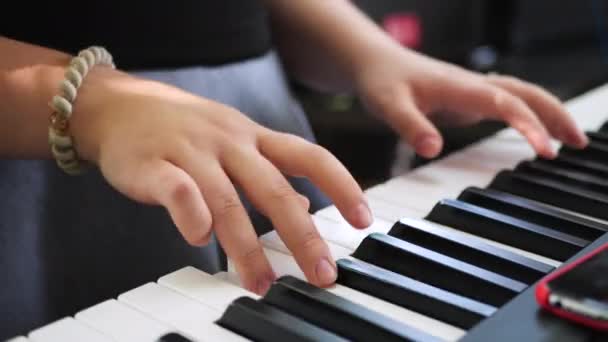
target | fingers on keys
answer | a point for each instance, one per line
(231, 223)
(467, 94)
(269, 191)
(548, 108)
(200, 194)
(297, 157)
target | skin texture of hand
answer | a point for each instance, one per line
(160, 145)
(409, 90)
(333, 46)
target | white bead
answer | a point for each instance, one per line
(71, 167)
(74, 77)
(80, 64)
(64, 156)
(97, 52)
(62, 146)
(61, 106)
(61, 141)
(107, 57)
(68, 90)
(88, 56)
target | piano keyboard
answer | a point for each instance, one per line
(453, 254)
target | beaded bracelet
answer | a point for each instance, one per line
(60, 140)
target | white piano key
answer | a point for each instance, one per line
(341, 234)
(188, 316)
(408, 194)
(588, 110)
(204, 288)
(229, 277)
(530, 255)
(422, 189)
(17, 339)
(122, 323)
(390, 212)
(67, 330)
(281, 263)
(501, 151)
(380, 209)
(341, 237)
(424, 323)
(271, 240)
(286, 265)
(514, 137)
(330, 212)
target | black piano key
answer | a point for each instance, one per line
(535, 212)
(338, 315)
(428, 300)
(471, 250)
(587, 202)
(173, 337)
(259, 321)
(601, 137)
(594, 151)
(562, 175)
(437, 269)
(604, 127)
(573, 162)
(506, 229)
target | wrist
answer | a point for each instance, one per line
(87, 123)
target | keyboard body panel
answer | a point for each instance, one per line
(522, 320)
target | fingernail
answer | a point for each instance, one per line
(326, 273)
(363, 214)
(428, 146)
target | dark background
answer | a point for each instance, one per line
(560, 45)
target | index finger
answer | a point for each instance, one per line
(298, 157)
(548, 107)
(270, 192)
(470, 95)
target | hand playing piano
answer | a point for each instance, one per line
(412, 92)
(162, 146)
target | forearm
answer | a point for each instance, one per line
(29, 78)
(324, 42)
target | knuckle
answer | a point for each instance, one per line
(385, 97)
(179, 189)
(236, 124)
(227, 204)
(251, 256)
(281, 191)
(499, 99)
(304, 201)
(311, 241)
(506, 103)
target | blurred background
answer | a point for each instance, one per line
(560, 45)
